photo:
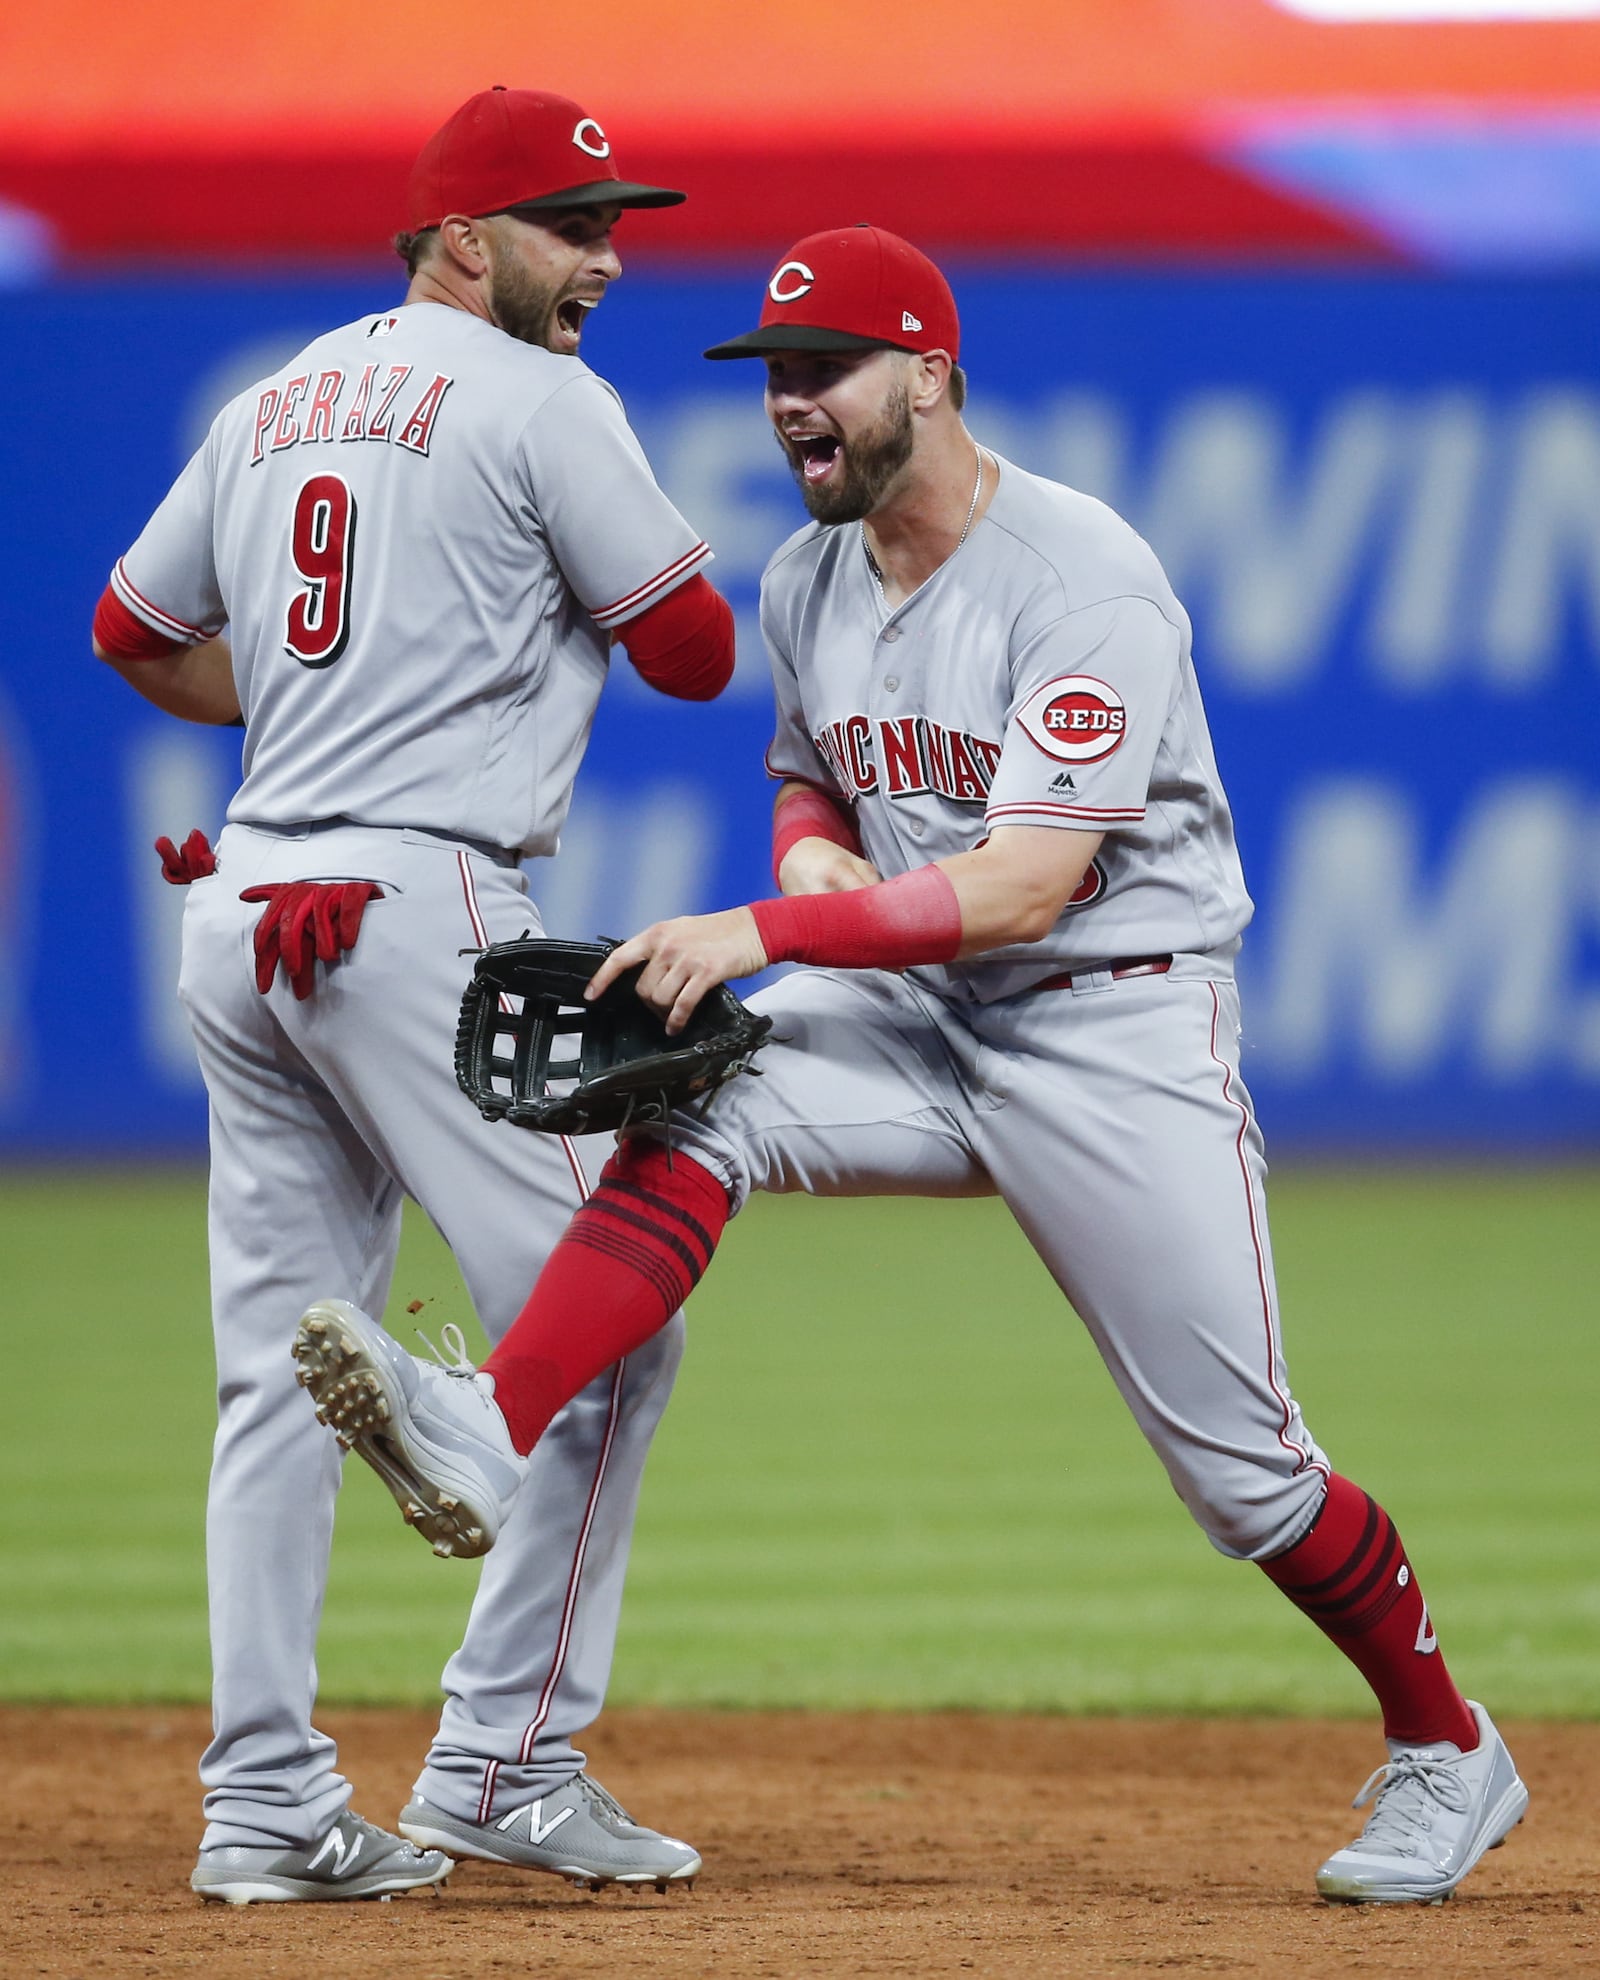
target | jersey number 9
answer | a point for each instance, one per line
(323, 544)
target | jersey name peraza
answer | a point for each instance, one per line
(346, 406)
(1041, 677)
(420, 534)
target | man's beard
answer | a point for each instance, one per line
(871, 461)
(524, 307)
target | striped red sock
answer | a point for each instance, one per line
(1351, 1577)
(626, 1263)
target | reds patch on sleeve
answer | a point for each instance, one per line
(1075, 720)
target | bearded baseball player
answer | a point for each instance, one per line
(424, 534)
(1008, 863)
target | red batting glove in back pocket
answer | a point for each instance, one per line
(307, 921)
(196, 861)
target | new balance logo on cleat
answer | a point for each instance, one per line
(344, 1855)
(586, 1838)
(353, 1860)
(537, 1832)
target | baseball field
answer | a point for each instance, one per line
(895, 1494)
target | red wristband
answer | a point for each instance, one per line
(896, 925)
(811, 814)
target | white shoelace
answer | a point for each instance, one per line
(461, 1364)
(1403, 1791)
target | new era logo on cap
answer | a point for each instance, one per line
(850, 289)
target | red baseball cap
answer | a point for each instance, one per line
(519, 147)
(852, 289)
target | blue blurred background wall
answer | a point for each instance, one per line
(1378, 493)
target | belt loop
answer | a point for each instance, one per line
(1084, 980)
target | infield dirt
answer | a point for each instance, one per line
(834, 1844)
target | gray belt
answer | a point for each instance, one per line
(501, 855)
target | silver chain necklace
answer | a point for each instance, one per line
(972, 510)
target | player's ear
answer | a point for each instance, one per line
(463, 240)
(929, 380)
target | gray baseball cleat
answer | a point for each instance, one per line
(354, 1859)
(577, 1831)
(1436, 1812)
(430, 1429)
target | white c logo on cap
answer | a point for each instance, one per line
(801, 287)
(590, 138)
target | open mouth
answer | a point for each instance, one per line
(572, 313)
(816, 453)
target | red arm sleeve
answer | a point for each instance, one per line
(683, 644)
(811, 814)
(120, 636)
(915, 918)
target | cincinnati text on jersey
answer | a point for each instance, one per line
(909, 758)
(380, 407)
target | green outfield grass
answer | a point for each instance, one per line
(894, 1473)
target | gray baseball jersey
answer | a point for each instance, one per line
(419, 533)
(1040, 677)
(422, 533)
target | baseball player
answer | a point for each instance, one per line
(424, 534)
(1007, 860)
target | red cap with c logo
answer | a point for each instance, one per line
(519, 147)
(850, 289)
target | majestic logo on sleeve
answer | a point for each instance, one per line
(792, 281)
(1076, 720)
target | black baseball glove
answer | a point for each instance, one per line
(525, 1001)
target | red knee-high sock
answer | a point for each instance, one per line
(1351, 1577)
(624, 1266)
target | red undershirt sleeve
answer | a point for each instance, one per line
(811, 814)
(683, 644)
(122, 636)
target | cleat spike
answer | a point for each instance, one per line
(408, 1421)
